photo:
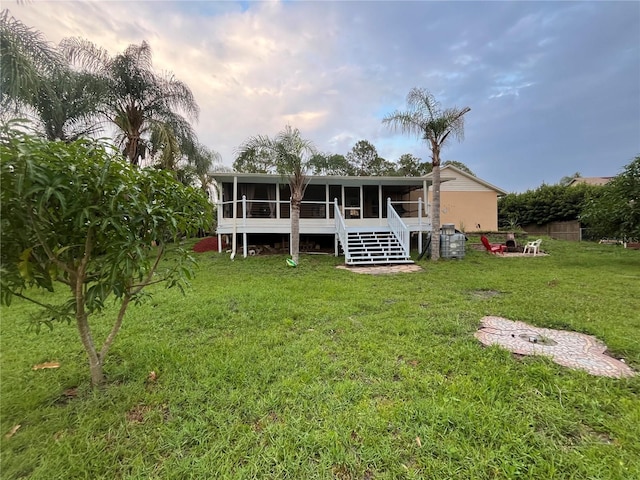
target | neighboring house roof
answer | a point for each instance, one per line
(590, 180)
(463, 181)
(338, 179)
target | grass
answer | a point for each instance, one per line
(265, 371)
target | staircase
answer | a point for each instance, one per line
(373, 248)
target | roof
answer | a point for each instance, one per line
(328, 179)
(590, 180)
(478, 180)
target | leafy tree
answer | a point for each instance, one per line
(426, 119)
(615, 210)
(289, 155)
(409, 165)
(327, 164)
(459, 165)
(547, 203)
(144, 106)
(365, 161)
(78, 216)
(252, 160)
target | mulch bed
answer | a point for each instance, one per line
(208, 244)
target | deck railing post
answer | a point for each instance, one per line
(244, 223)
(420, 224)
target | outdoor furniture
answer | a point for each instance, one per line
(495, 248)
(533, 247)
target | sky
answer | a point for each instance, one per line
(553, 87)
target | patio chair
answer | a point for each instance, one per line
(495, 248)
(533, 247)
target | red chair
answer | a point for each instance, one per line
(495, 248)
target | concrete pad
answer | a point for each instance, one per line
(569, 349)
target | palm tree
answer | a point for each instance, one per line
(198, 166)
(36, 83)
(289, 155)
(425, 118)
(26, 58)
(143, 105)
(67, 105)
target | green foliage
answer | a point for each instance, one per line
(144, 106)
(327, 164)
(252, 160)
(25, 59)
(36, 82)
(409, 165)
(77, 215)
(614, 209)
(365, 161)
(547, 203)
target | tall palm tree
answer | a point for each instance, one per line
(140, 103)
(289, 155)
(425, 118)
(205, 162)
(26, 58)
(36, 83)
(67, 104)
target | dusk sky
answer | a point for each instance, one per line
(553, 87)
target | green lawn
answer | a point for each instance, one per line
(265, 371)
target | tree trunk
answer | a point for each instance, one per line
(295, 228)
(82, 318)
(435, 205)
(95, 362)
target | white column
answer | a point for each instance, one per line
(327, 200)
(234, 239)
(420, 224)
(244, 223)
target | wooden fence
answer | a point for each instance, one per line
(559, 230)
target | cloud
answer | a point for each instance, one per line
(539, 77)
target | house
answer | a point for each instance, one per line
(371, 219)
(466, 201)
(590, 181)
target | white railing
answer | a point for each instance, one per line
(261, 208)
(341, 228)
(398, 227)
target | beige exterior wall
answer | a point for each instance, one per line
(467, 210)
(466, 201)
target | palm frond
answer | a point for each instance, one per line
(86, 54)
(26, 57)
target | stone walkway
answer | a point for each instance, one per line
(570, 349)
(382, 269)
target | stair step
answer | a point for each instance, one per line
(374, 248)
